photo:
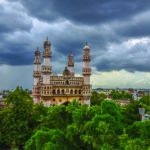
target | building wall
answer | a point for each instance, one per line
(60, 100)
(46, 61)
(46, 79)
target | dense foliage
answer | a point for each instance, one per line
(97, 98)
(103, 126)
(120, 95)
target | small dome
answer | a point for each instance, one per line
(37, 52)
(86, 46)
(55, 74)
(70, 54)
(66, 72)
(47, 42)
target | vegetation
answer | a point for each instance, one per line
(97, 98)
(120, 95)
(103, 126)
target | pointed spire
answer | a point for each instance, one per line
(71, 52)
(47, 38)
(37, 48)
(86, 46)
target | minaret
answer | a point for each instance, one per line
(71, 64)
(86, 72)
(46, 68)
(36, 74)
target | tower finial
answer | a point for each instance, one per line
(86, 43)
(37, 48)
(47, 38)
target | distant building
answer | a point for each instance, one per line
(61, 89)
(122, 102)
(109, 97)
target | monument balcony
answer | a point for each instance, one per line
(35, 91)
(71, 64)
(36, 74)
(86, 71)
(61, 95)
(47, 54)
(86, 57)
(37, 61)
(46, 69)
(85, 87)
(66, 85)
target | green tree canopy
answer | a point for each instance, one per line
(48, 140)
(15, 118)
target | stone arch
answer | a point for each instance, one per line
(58, 91)
(75, 91)
(66, 103)
(71, 91)
(79, 91)
(62, 91)
(67, 82)
(54, 92)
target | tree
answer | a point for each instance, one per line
(15, 119)
(92, 111)
(145, 101)
(110, 107)
(56, 118)
(39, 111)
(102, 96)
(101, 136)
(123, 139)
(140, 130)
(96, 98)
(53, 139)
(117, 95)
(79, 115)
(73, 134)
(135, 144)
(130, 113)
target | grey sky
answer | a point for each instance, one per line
(117, 31)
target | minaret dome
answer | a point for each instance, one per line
(47, 43)
(86, 46)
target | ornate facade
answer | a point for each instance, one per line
(61, 89)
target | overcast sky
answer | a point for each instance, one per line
(117, 31)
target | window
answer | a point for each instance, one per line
(67, 82)
(58, 91)
(75, 91)
(62, 92)
(79, 91)
(53, 91)
(53, 99)
(71, 91)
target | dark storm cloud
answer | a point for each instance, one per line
(136, 29)
(16, 54)
(15, 59)
(128, 65)
(102, 23)
(85, 11)
(137, 26)
(13, 19)
(131, 58)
